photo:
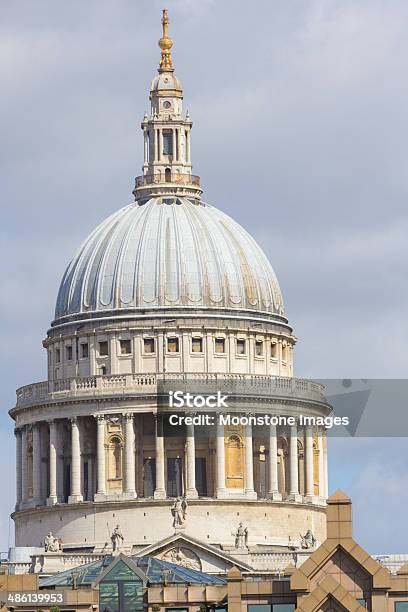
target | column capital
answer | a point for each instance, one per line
(99, 417)
(73, 420)
(128, 416)
(18, 431)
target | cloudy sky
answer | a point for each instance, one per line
(300, 130)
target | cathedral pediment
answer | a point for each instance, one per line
(188, 552)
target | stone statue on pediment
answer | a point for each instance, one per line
(179, 512)
(308, 540)
(51, 543)
(241, 537)
(117, 539)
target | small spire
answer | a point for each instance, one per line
(165, 44)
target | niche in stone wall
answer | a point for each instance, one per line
(114, 456)
(283, 466)
(234, 460)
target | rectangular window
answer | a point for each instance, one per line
(84, 350)
(259, 348)
(68, 353)
(57, 355)
(201, 476)
(149, 476)
(173, 345)
(148, 345)
(259, 608)
(197, 345)
(174, 476)
(284, 607)
(241, 347)
(167, 142)
(125, 347)
(103, 348)
(274, 350)
(401, 606)
(220, 345)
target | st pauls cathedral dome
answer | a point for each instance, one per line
(170, 293)
(168, 252)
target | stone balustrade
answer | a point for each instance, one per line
(155, 383)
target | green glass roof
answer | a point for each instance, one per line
(156, 571)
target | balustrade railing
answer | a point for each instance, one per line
(118, 383)
(177, 178)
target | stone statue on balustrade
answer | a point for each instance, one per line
(179, 512)
(308, 540)
(241, 537)
(117, 539)
(51, 543)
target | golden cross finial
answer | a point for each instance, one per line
(165, 44)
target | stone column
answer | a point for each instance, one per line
(137, 354)
(53, 496)
(160, 352)
(36, 465)
(92, 355)
(160, 144)
(326, 467)
(249, 464)
(209, 351)
(129, 480)
(231, 350)
(185, 352)
(188, 154)
(100, 458)
(279, 356)
(113, 358)
(145, 135)
(220, 488)
(294, 467)
(174, 143)
(60, 461)
(90, 478)
(24, 471)
(76, 495)
(160, 490)
(273, 491)
(251, 354)
(321, 465)
(191, 491)
(309, 463)
(19, 492)
(178, 144)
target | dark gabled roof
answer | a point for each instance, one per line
(157, 571)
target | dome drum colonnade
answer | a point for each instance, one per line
(168, 286)
(105, 452)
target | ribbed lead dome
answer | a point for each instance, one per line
(168, 253)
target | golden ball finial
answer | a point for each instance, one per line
(165, 44)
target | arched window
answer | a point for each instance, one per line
(167, 175)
